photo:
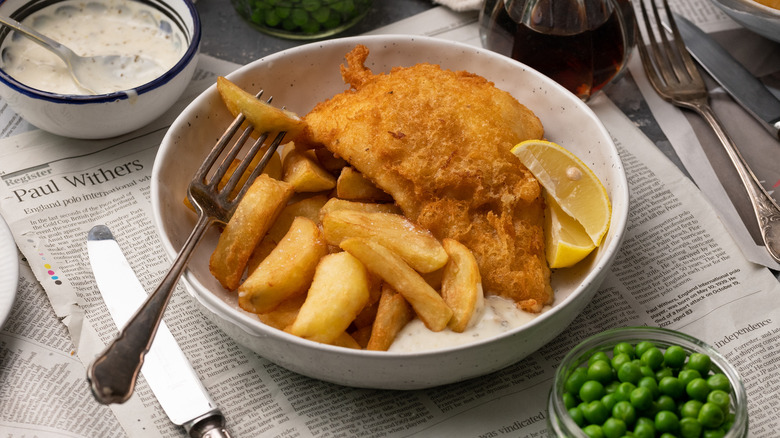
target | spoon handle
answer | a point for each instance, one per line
(60, 50)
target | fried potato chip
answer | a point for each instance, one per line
(393, 313)
(330, 162)
(284, 314)
(335, 204)
(461, 285)
(306, 207)
(338, 292)
(254, 215)
(415, 245)
(352, 185)
(287, 271)
(304, 173)
(262, 116)
(426, 302)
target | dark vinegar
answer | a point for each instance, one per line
(583, 62)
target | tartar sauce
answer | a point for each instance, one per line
(112, 27)
(499, 315)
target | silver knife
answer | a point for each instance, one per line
(166, 368)
(732, 76)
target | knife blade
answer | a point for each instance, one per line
(166, 368)
(748, 91)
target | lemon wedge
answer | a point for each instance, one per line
(566, 242)
(573, 188)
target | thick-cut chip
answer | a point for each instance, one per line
(393, 314)
(462, 285)
(426, 302)
(254, 215)
(330, 162)
(347, 341)
(284, 314)
(337, 294)
(415, 245)
(262, 116)
(307, 207)
(304, 173)
(335, 204)
(352, 185)
(287, 271)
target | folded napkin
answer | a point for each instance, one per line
(461, 5)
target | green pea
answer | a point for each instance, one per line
(576, 414)
(664, 372)
(625, 348)
(674, 357)
(690, 428)
(629, 372)
(719, 381)
(623, 410)
(597, 356)
(645, 427)
(671, 386)
(666, 421)
(593, 431)
(595, 412)
(619, 359)
(614, 428)
(713, 433)
(653, 358)
(711, 416)
(667, 435)
(641, 398)
(569, 401)
(691, 408)
(609, 401)
(600, 371)
(649, 383)
(642, 346)
(665, 403)
(575, 380)
(591, 390)
(697, 389)
(686, 376)
(699, 362)
(612, 386)
(720, 398)
(623, 391)
(647, 371)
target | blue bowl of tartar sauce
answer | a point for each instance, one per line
(36, 84)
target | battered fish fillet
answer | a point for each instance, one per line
(439, 142)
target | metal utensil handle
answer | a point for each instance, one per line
(60, 50)
(112, 375)
(766, 209)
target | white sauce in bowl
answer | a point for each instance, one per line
(500, 315)
(112, 27)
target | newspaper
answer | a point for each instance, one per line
(678, 268)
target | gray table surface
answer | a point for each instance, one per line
(227, 36)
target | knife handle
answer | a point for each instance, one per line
(212, 426)
(112, 375)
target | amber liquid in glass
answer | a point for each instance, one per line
(583, 63)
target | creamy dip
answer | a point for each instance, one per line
(111, 27)
(498, 316)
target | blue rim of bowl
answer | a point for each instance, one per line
(192, 50)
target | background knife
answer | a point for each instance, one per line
(732, 76)
(166, 368)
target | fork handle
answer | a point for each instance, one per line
(112, 375)
(766, 209)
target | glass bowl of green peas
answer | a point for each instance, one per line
(302, 19)
(646, 382)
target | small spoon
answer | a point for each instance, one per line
(85, 70)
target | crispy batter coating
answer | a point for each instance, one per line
(439, 142)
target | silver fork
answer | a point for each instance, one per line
(113, 374)
(675, 77)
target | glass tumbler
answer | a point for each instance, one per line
(582, 44)
(302, 19)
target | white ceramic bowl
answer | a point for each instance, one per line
(298, 79)
(103, 115)
(761, 19)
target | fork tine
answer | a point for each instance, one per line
(261, 165)
(682, 51)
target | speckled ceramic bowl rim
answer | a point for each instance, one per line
(254, 327)
(193, 37)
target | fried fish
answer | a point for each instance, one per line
(439, 142)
